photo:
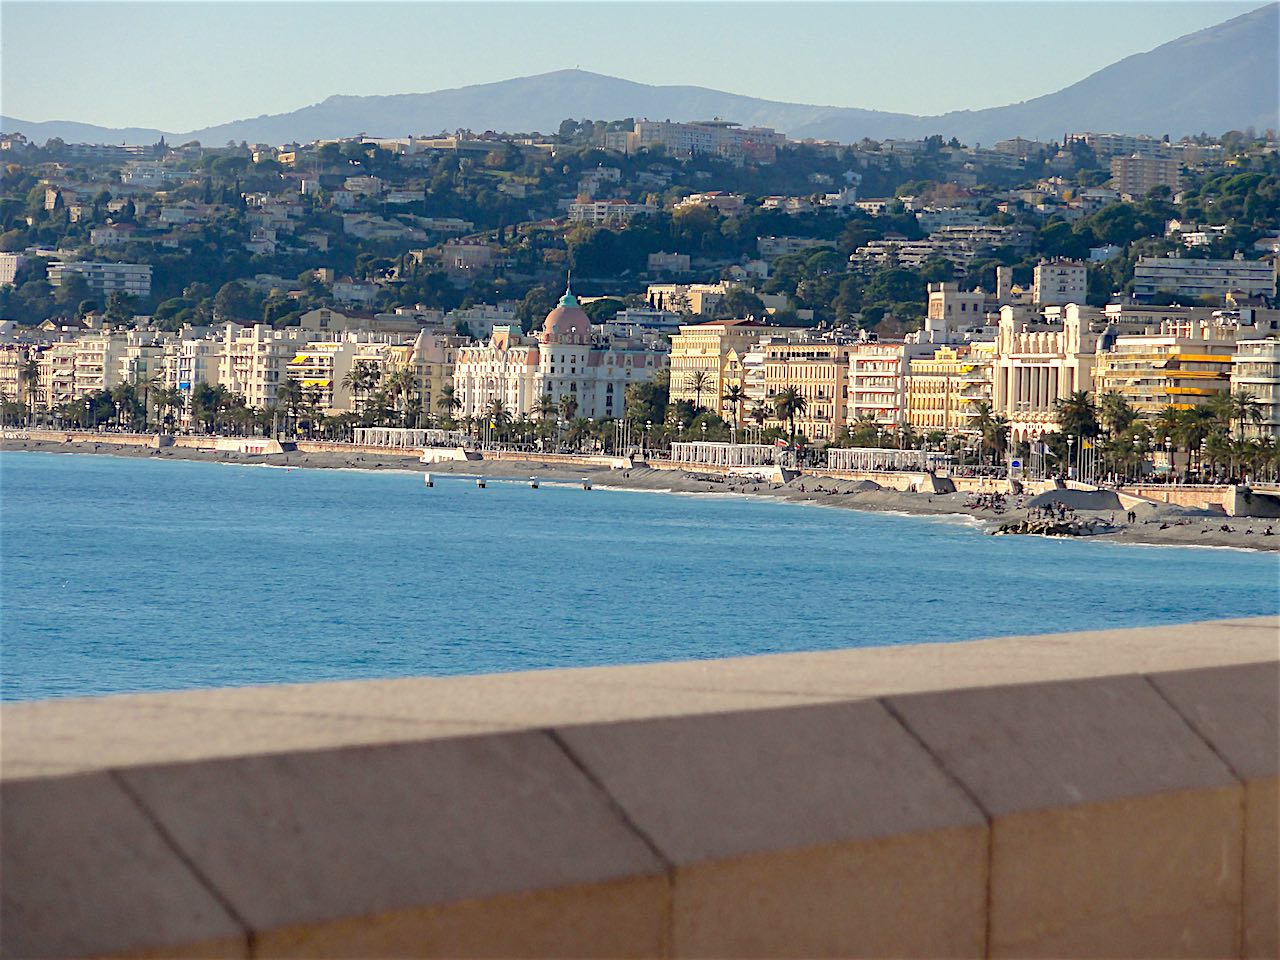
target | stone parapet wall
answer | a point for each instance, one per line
(1092, 794)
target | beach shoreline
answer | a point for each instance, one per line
(1155, 525)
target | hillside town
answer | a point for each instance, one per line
(1022, 302)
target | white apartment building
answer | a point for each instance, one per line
(600, 212)
(323, 368)
(9, 265)
(878, 381)
(1058, 282)
(112, 234)
(1108, 145)
(254, 361)
(1135, 175)
(1256, 370)
(770, 248)
(719, 137)
(57, 379)
(133, 279)
(1188, 277)
(717, 200)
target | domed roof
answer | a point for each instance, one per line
(568, 321)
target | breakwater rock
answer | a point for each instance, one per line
(1044, 528)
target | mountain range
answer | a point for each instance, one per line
(1221, 78)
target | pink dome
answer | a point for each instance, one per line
(568, 321)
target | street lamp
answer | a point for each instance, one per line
(1168, 452)
(88, 406)
(1071, 464)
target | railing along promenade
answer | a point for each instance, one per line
(1111, 793)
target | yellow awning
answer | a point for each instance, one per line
(301, 358)
(316, 383)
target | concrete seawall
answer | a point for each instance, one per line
(1092, 794)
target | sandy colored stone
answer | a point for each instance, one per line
(911, 895)
(86, 873)
(140, 729)
(1261, 866)
(626, 918)
(296, 839)
(1154, 876)
(1236, 709)
(779, 821)
(1047, 745)
(735, 784)
(1116, 830)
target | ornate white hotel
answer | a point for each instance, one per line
(562, 359)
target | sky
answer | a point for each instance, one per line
(180, 65)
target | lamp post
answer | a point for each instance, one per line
(1168, 453)
(1137, 458)
(88, 407)
(1071, 463)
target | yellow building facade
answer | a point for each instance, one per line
(704, 348)
(1152, 372)
(819, 371)
(942, 389)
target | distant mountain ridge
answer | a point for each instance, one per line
(1224, 77)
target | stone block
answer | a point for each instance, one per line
(85, 872)
(352, 835)
(807, 831)
(624, 918)
(1237, 711)
(1116, 831)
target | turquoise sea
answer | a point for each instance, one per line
(128, 575)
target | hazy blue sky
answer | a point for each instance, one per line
(179, 66)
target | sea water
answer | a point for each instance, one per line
(121, 574)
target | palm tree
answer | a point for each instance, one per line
(448, 401)
(698, 381)
(999, 436)
(789, 404)
(1115, 412)
(579, 429)
(759, 413)
(568, 406)
(735, 396)
(360, 379)
(982, 419)
(1077, 415)
(29, 376)
(498, 416)
(1242, 407)
(289, 396)
(546, 408)
(401, 384)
